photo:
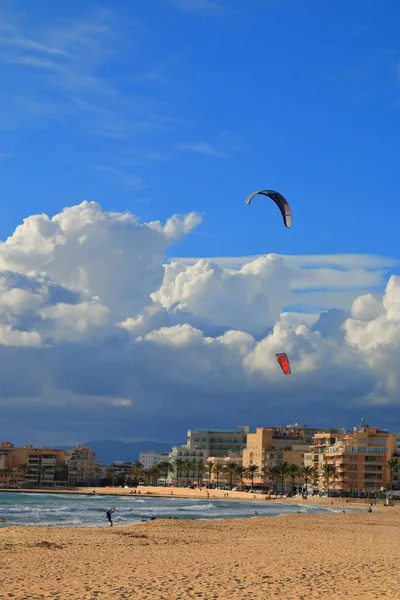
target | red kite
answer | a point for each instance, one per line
(284, 362)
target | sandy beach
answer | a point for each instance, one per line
(293, 557)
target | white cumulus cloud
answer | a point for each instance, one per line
(101, 335)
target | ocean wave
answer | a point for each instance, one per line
(89, 511)
(199, 507)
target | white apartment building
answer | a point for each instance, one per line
(217, 442)
(151, 458)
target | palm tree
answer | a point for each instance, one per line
(136, 471)
(210, 466)
(274, 472)
(153, 473)
(42, 471)
(81, 473)
(200, 470)
(24, 468)
(307, 473)
(4, 472)
(97, 472)
(283, 470)
(60, 472)
(178, 466)
(392, 465)
(231, 469)
(241, 472)
(251, 472)
(165, 469)
(329, 474)
(110, 473)
(187, 469)
(293, 471)
(218, 469)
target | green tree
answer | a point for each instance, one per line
(275, 473)
(329, 474)
(251, 472)
(42, 472)
(110, 473)
(307, 474)
(392, 465)
(187, 469)
(165, 469)
(210, 466)
(97, 472)
(200, 470)
(178, 466)
(7, 475)
(61, 472)
(136, 471)
(153, 473)
(241, 472)
(218, 469)
(231, 469)
(293, 471)
(283, 471)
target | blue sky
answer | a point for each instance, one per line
(173, 105)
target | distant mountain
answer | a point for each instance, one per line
(109, 450)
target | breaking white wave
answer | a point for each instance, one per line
(90, 511)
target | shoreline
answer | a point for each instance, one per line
(225, 495)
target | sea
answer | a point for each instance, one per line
(70, 510)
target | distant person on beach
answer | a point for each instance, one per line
(109, 512)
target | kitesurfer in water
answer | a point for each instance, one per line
(109, 512)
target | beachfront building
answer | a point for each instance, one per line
(308, 433)
(7, 466)
(41, 465)
(182, 455)
(10, 456)
(360, 461)
(220, 473)
(203, 445)
(81, 465)
(217, 442)
(269, 447)
(397, 449)
(6, 450)
(119, 471)
(321, 442)
(31, 465)
(150, 458)
(396, 475)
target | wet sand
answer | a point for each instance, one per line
(293, 557)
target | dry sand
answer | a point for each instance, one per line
(326, 556)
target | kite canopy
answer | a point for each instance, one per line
(284, 363)
(279, 200)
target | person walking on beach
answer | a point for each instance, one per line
(109, 512)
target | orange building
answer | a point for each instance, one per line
(268, 447)
(360, 460)
(321, 442)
